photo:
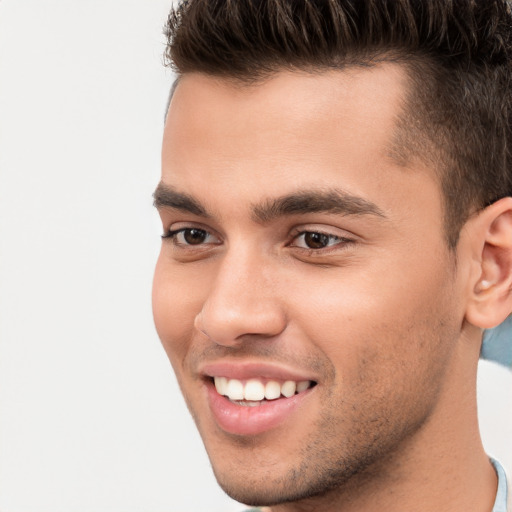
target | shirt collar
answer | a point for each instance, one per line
(500, 505)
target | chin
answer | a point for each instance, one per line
(262, 495)
(256, 484)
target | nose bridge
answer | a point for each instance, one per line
(242, 299)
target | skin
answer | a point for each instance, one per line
(379, 317)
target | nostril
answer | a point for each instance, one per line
(202, 331)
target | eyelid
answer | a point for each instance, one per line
(304, 233)
(323, 229)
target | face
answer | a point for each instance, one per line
(304, 292)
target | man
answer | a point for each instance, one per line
(335, 200)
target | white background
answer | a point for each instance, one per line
(90, 416)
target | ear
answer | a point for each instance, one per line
(490, 299)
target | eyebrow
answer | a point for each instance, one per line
(167, 197)
(324, 201)
(298, 203)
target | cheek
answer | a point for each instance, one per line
(390, 352)
(391, 319)
(175, 305)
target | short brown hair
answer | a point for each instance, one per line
(457, 53)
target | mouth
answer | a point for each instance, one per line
(247, 401)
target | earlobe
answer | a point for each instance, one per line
(491, 296)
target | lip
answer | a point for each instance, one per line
(252, 370)
(248, 421)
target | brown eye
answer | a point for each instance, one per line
(316, 240)
(186, 237)
(194, 236)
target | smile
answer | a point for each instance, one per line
(248, 400)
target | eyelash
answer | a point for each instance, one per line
(338, 240)
(173, 235)
(333, 241)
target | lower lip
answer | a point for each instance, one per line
(246, 420)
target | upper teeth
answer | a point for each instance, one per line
(256, 390)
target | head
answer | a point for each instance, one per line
(335, 207)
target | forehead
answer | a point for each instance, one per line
(294, 129)
(364, 95)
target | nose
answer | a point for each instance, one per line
(242, 302)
